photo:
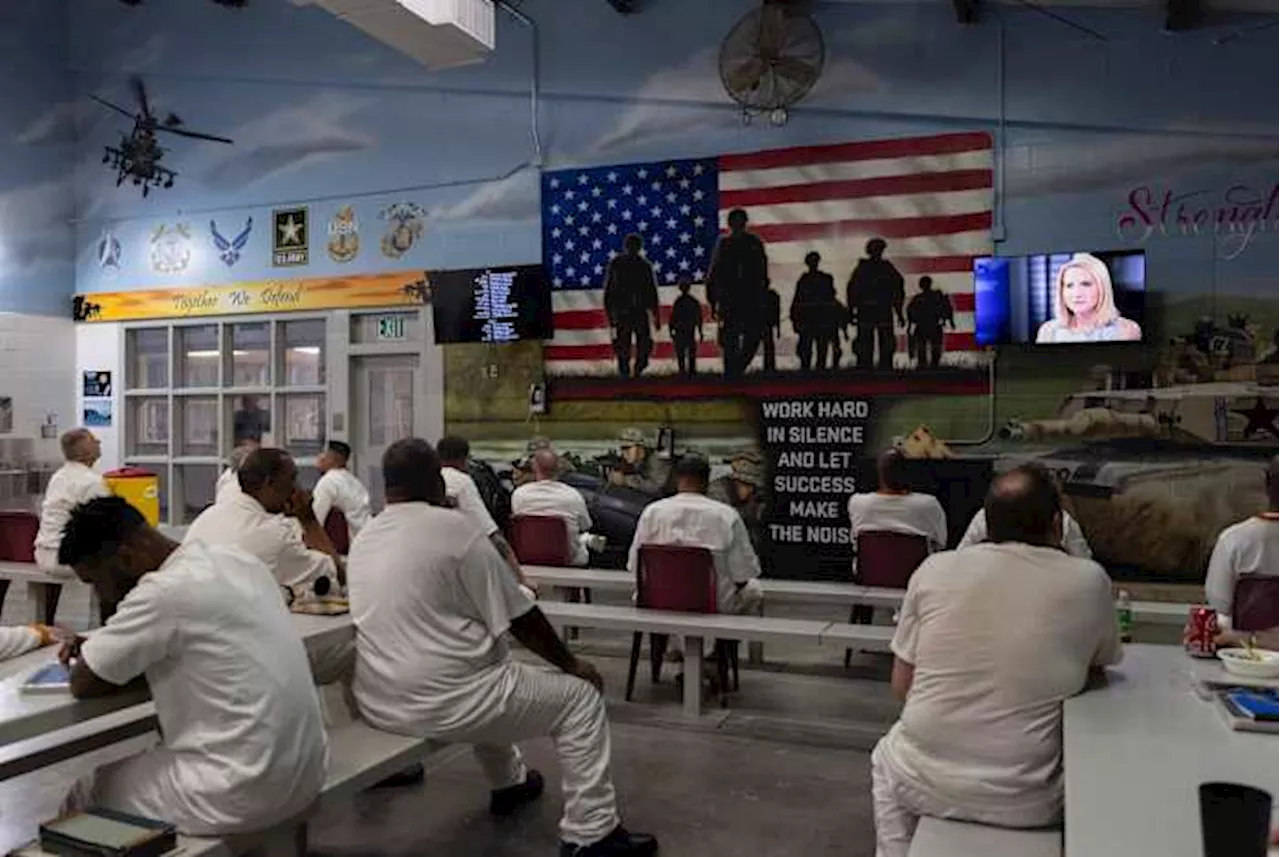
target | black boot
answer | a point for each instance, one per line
(505, 802)
(619, 843)
(410, 776)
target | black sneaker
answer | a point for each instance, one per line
(619, 843)
(504, 802)
(411, 776)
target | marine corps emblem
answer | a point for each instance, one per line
(344, 235)
(404, 228)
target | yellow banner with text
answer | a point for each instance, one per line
(401, 288)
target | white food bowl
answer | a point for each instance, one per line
(1237, 661)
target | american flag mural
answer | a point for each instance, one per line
(929, 197)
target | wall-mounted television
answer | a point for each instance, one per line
(1060, 298)
(500, 304)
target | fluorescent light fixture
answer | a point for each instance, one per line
(305, 349)
(210, 353)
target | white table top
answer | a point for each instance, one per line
(27, 715)
(1136, 751)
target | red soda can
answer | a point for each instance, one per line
(1199, 637)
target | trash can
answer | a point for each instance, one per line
(139, 488)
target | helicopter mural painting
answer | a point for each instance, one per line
(137, 157)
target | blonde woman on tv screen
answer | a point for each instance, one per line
(1084, 306)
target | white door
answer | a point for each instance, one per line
(386, 409)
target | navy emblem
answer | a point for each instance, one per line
(170, 248)
(229, 251)
(344, 235)
(109, 251)
(404, 228)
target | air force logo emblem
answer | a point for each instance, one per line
(229, 251)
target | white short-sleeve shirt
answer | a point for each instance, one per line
(430, 599)
(238, 711)
(913, 514)
(1000, 635)
(73, 483)
(1243, 549)
(553, 498)
(240, 521)
(695, 520)
(339, 489)
(461, 489)
(228, 485)
(1073, 540)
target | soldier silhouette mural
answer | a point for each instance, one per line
(926, 313)
(737, 292)
(631, 305)
(875, 296)
(813, 316)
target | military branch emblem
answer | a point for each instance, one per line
(404, 228)
(344, 235)
(290, 243)
(109, 251)
(229, 251)
(170, 248)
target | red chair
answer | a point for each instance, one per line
(544, 540)
(17, 544)
(1255, 605)
(888, 560)
(541, 540)
(683, 579)
(335, 527)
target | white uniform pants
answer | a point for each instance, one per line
(144, 785)
(895, 821)
(898, 806)
(542, 702)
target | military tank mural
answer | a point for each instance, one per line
(1154, 472)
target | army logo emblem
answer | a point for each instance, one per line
(170, 248)
(344, 235)
(289, 240)
(404, 228)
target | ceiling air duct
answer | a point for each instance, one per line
(436, 33)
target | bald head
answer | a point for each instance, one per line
(1023, 505)
(1273, 477)
(545, 464)
(891, 470)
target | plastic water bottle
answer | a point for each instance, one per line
(1124, 616)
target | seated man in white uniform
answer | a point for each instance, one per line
(548, 496)
(259, 519)
(243, 746)
(432, 601)
(227, 481)
(692, 519)
(991, 639)
(894, 508)
(461, 490)
(25, 638)
(75, 482)
(1246, 549)
(339, 489)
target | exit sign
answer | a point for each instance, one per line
(391, 328)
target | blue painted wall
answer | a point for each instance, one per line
(325, 116)
(37, 245)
